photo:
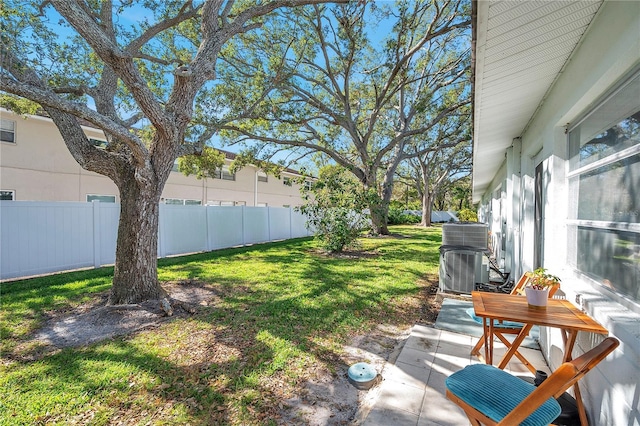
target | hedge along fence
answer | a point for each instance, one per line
(45, 237)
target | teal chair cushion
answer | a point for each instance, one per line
(495, 393)
(496, 323)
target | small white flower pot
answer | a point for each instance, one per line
(537, 298)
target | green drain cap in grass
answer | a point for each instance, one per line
(362, 375)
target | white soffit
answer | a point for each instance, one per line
(521, 46)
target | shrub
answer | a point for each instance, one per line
(334, 205)
(467, 215)
(398, 217)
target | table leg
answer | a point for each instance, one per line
(485, 336)
(569, 339)
(490, 342)
(514, 346)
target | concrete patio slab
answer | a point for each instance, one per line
(412, 390)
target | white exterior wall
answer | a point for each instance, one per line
(609, 51)
(38, 167)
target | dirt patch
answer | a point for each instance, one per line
(325, 398)
(94, 322)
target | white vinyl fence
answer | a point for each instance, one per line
(44, 237)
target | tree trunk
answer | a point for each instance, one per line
(135, 276)
(426, 209)
(379, 215)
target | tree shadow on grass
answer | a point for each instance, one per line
(120, 380)
(241, 355)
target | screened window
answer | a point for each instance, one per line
(7, 131)
(225, 174)
(604, 185)
(101, 198)
(7, 195)
(192, 202)
(262, 177)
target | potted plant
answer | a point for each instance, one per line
(538, 286)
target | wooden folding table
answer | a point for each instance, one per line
(559, 313)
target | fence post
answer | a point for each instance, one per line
(269, 223)
(243, 219)
(95, 207)
(207, 227)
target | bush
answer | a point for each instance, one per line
(398, 217)
(467, 215)
(333, 206)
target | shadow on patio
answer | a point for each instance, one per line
(413, 391)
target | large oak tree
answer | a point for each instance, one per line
(359, 83)
(132, 69)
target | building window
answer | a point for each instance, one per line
(7, 195)
(174, 201)
(227, 203)
(225, 174)
(7, 131)
(262, 177)
(287, 181)
(182, 202)
(98, 143)
(101, 198)
(604, 177)
(308, 184)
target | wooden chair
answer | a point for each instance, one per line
(500, 328)
(492, 396)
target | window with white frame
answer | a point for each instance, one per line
(287, 181)
(182, 202)
(604, 188)
(7, 195)
(262, 177)
(101, 198)
(7, 131)
(175, 201)
(225, 174)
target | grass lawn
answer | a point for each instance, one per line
(284, 311)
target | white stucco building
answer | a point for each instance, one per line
(557, 168)
(35, 165)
